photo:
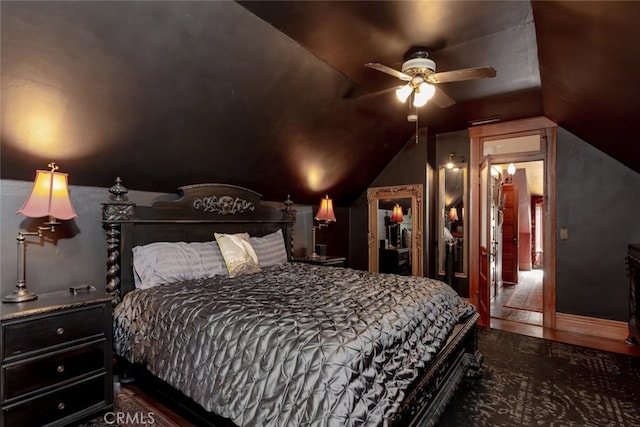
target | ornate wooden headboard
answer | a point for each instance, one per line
(200, 211)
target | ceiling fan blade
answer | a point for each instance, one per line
(460, 75)
(441, 99)
(391, 71)
(380, 92)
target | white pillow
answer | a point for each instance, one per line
(238, 254)
(168, 262)
(270, 249)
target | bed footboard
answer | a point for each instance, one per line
(429, 397)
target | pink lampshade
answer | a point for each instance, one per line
(325, 211)
(396, 215)
(453, 214)
(49, 196)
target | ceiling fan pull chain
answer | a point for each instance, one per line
(417, 118)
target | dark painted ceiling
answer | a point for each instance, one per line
(265, 94)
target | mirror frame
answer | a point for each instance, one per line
(442, 213)
(415, 193)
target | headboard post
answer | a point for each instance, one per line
(290, 217)
(114, 212)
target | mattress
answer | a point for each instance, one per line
(293, 345)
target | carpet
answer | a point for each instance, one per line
(526, 382)
(525, 296)
(533, 382)
(131, 410)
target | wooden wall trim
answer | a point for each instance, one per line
(603, 328)
(511, 127)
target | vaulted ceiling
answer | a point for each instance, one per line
(266, 94)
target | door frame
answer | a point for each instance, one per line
(547, 131)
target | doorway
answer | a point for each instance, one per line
(517, 293)
(519, 141)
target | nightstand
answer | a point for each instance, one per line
(56, 359)
(334, 261)
(395, 261)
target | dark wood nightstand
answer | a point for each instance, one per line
(334, 261)
(56, 359)
(395, 261)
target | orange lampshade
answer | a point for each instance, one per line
(325, 211)
(396, 215)
(453, 214)
(49, 196)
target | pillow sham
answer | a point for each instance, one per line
(168, 262)
(270, 249)
(238, 254)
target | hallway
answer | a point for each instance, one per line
(522, 302)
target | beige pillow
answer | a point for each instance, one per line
(238, 254)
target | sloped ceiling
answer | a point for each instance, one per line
(265, 94)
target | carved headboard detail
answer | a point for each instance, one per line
(199, 211)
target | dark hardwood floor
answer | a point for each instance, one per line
(529, 322)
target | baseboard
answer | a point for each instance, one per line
(603, 328)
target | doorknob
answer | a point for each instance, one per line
(515, 240)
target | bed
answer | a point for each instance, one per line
(282, 342)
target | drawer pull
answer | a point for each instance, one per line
(60, 368)
(60, 331)
(61, 406)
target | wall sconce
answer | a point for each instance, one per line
(396, 215)
(511, 169)
(49, 197)
(324, 216)
(453, 159)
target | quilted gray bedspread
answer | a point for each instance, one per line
(294, 345)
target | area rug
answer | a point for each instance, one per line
(533, 382)
(131, 410)
(525, 296)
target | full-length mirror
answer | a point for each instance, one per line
(452, 218)
(395, 229)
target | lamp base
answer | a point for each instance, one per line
(20, 295)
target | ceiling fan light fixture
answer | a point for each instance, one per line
(424, 92)
(404, 92)
(419, 100)
(427, 90)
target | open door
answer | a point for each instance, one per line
(510, 234)
(486, 253)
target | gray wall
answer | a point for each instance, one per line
(598, 200)
(409, 166)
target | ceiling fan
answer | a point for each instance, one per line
(420, 74)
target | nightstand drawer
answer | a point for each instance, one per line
(52, 369)
(57, 405)
(47, 331)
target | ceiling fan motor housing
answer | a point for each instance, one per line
(418, 66)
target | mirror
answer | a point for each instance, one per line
(395, 241)
(452, 219)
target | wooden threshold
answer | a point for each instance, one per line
(567, 337)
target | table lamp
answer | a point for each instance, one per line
(49, 198)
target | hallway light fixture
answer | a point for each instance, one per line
(49, 197)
